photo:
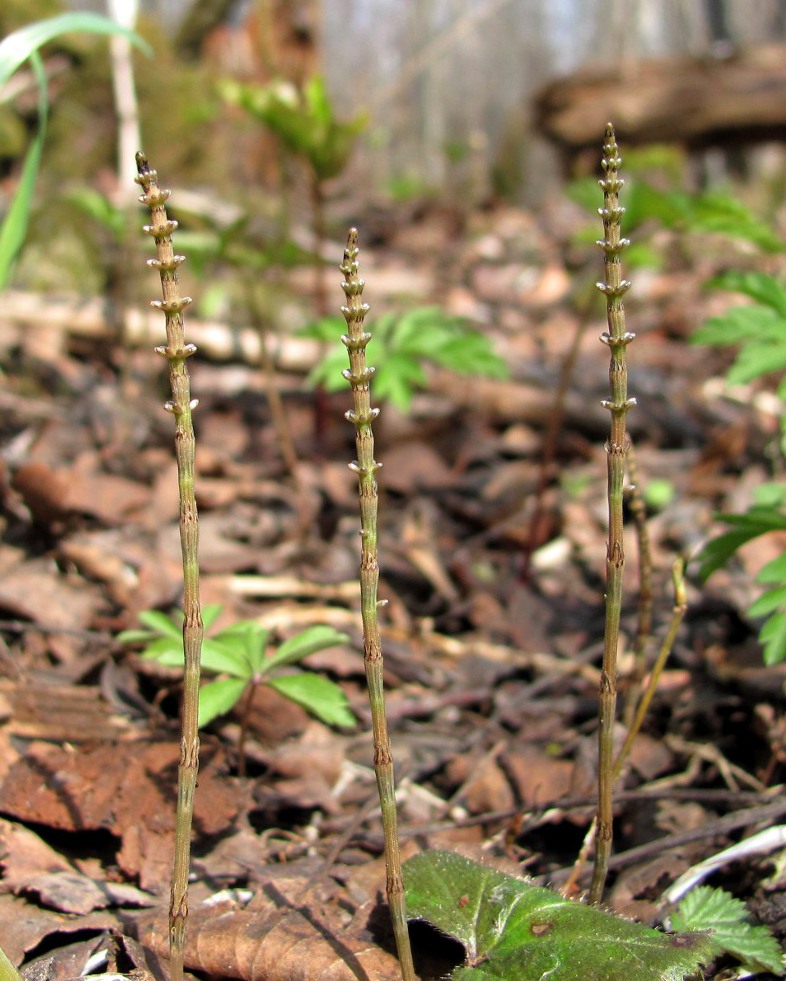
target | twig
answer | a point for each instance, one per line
(180, 405)
(359, 376)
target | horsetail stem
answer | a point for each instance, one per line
(359, 376)
(176, 351)
(617, 339)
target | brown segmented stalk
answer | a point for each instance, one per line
(177, 352)
(361, 416)
(617, 339)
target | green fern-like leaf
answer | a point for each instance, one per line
(705, 908)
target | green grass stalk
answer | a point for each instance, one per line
(177, 352)
(7, 970)
(359, 376)
(617, 339)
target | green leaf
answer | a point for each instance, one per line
(513, 931)
(22, 44)
(319, 696)
(768, 602)
(727, 917)
(718, 551)
(760, 357)
(770, 496)
(166, 650)
(739, 325)
(135, 636)
(18, 47)
(14, 228)
(761, 287)
(160, 623)
(396, 380)
(219, 697)
(210, 613)
(772, 636)
(225, 656)
(317, 638)
(774, 571)
(720, 213)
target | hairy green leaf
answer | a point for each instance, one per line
(319, 696)
(513, 931)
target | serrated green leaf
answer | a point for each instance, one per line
(768, 602)
(772, 636)
(739, 325)
(513, 931)
(309, 641)
(727, 917)
(219, 697)
(396, 380)
(720, 213)
(761, 287)
(759, 358)
(753, 523)
(319, 696)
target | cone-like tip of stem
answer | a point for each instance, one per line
(142, 166)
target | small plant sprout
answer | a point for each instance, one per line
(177, 352)
(362, 416)
(239, 655)
(617, 339)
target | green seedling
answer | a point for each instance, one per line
(730, 931)
(512, 930)
(239, 654)
(23, 46)
(758, 329)
(403, 345)
(305, 121)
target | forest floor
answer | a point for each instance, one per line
(492, 632)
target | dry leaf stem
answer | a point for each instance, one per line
(176, 351)
(359, 376)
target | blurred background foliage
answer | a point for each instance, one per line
(431, 101)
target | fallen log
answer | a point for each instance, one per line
(697, 102)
